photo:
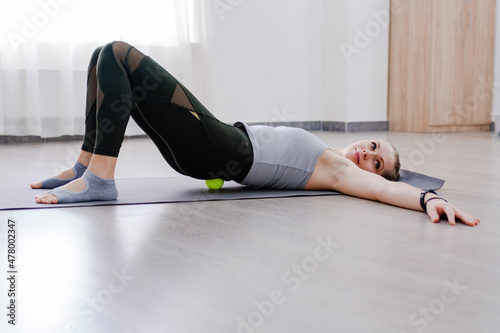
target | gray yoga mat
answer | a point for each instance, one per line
(134, 191)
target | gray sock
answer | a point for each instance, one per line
(96, 189)
(54, 182)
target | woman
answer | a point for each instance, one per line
(123, 82)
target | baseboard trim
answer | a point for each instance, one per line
(333, 126)
(34, 138)
(361, 126)
(327, 126)
(307, 125)
(368, 126)
(7, 139)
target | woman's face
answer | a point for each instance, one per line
(375, 156)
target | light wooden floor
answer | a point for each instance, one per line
(314, 264)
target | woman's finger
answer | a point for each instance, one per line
(433, 214)
(467, 218)
(436, 209)
(450, 213)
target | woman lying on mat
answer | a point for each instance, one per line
(123, 82)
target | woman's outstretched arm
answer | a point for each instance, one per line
(340, 174)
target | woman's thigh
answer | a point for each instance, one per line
(199, 145)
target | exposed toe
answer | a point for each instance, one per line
(36, 185)
(46, 199)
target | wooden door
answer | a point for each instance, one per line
(410, 65)
(479, 45)
(448, 87)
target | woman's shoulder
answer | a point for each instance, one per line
(325, 170)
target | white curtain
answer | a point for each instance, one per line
(45, 46)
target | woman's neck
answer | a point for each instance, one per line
(338, 151)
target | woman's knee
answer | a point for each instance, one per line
(109, 67)
(116, 52)
(120, 48)
(94, 57)
(120, 51)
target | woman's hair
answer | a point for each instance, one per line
(393, 174)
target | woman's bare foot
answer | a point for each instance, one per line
(76, 185)
(101, 166)
(84, 158)
(66, 174)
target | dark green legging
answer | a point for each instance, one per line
(123, 82)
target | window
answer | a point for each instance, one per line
(151, 22)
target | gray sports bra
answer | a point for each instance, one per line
(284, 157)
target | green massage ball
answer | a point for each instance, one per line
(214, 184)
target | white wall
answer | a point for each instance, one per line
(335, 27)
(367, 79)
(267, 60)
(304, 60)
(355, 60)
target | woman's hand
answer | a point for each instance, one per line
(437, 207)
(334, 172)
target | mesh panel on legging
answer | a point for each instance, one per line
(189, 137)
(91, 104)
